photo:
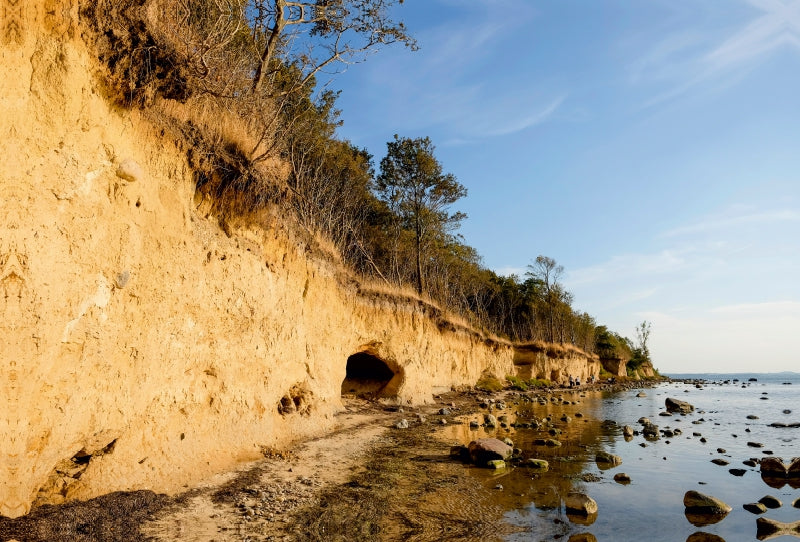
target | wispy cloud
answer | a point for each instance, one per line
(454, 88)
(691, 58)
(731, 221)
(778, 25)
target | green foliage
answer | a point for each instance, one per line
(489, 383)
(610, 345)
(413, 185)
(516, 383)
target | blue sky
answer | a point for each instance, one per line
(650, 147)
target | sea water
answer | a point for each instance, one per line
(651, 507)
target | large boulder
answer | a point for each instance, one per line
(699, 503)
(676, 405)
(484, 450)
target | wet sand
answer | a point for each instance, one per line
(365, 481)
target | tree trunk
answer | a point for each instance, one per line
(269, 50)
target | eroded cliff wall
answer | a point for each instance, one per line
(142, 347)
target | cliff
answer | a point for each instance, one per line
(146, 348)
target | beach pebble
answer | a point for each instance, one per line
(737, 472)
(752, 417)
(755, 444)
(719, 461)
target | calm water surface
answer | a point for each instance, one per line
(651, 506)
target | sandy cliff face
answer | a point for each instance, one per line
(141, 346)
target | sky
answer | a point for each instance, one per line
(651, 148)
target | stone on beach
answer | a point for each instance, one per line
(622, 478)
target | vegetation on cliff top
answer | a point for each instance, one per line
(237, 82)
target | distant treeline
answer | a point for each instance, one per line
(238, 79)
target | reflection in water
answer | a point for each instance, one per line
(704, 537)
(769, 529)
(701, 520)
(678, 461)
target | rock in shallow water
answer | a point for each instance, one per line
(755, 507)
(676, 405)
(580, 503)
(484, 450)
(697, 502)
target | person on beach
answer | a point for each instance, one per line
(571, 381)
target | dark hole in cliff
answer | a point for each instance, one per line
(366, 375)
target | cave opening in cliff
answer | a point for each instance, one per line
(367, 375)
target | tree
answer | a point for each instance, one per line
(412, 184)
(642, 336)
(547, 272)
(341, 31)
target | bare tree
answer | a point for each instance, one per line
(339, 31)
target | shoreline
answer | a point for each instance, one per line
(317, 487)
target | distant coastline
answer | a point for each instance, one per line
(766, 377)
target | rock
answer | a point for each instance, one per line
(641, 394)
(700, 503)
(750, 462)
(508, 441)
(402, 424)
(770, 502)
(774, 466)
(489, 420)
(676, 405)
(580, 503)
(752, 417)
(474, 424)
(721, 450)
(737, 472)
(644, 421)
(483, 450)
(496, 464)
(129, 170)
(539, 464)
(627, 431)
(755, 444)
(622, 478)
(444, 411)
(650, 431)
(755, 507)
(787, 411)
(608, 459)
(582, 537)
(719, 461)
(553, 443)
